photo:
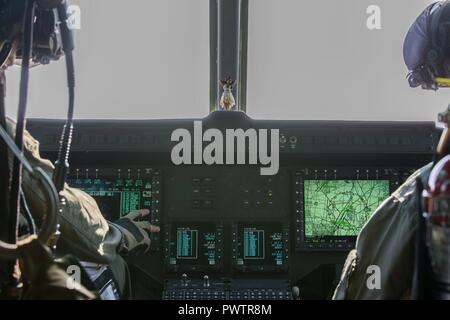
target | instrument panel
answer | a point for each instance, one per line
(228, 231)
(231, 224)
(218, 218)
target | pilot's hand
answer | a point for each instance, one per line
(135, 239)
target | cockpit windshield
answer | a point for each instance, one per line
(322, 60)
(306, 60)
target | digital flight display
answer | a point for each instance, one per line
(254, 243)
(187, 244)
(193, 246)
(116, 197)
(260, 246)
(334, 211)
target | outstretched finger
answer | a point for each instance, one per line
(154, 229)
(148, 226)
(144, 212)
(137, 214)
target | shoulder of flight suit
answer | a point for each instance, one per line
(84, 231)
(385, 244)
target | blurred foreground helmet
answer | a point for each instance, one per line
(426, 49)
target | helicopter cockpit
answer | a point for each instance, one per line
(261, 136)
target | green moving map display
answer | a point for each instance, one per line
(341, 207)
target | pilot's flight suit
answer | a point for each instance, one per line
(84, 231)
(386, 241)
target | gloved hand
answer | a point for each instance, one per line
(135, 238)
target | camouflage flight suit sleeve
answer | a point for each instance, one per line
(84, 231)
(386, 241)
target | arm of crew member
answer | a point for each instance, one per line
(84, 231)
(381, 266)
